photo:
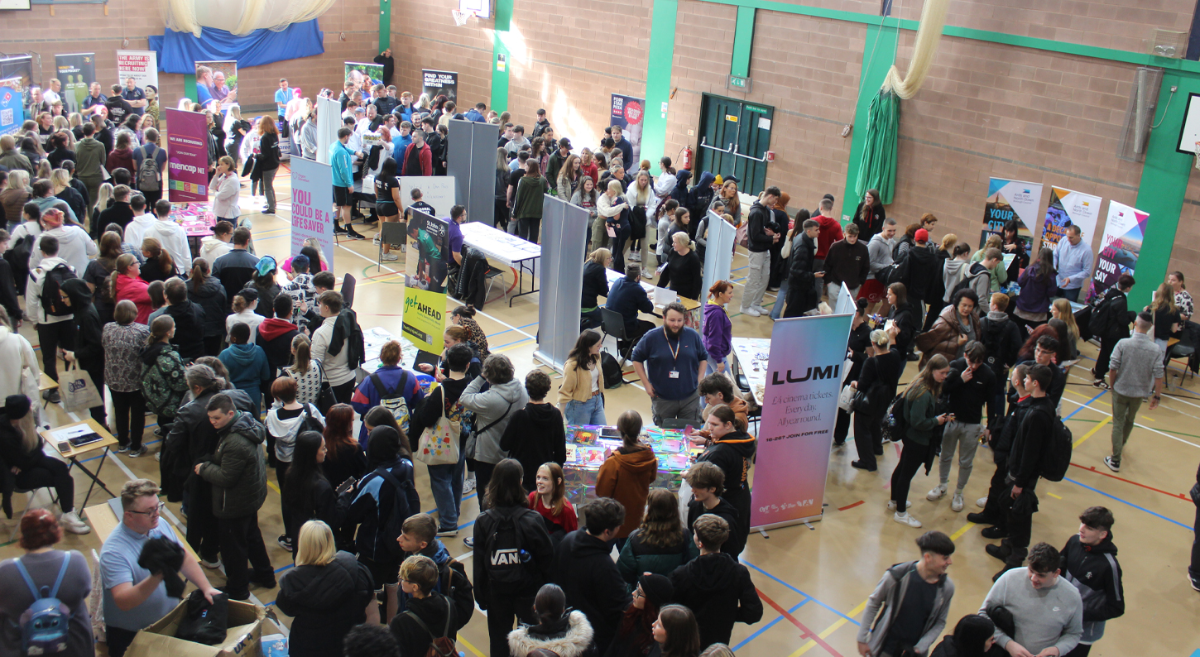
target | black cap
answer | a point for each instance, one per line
(658, 589)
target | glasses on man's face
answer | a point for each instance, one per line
(153, 511)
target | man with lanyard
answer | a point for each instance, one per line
(671, 363)
(94, 101)
(135, 96)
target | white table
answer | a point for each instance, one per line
(520, 255)
(660, 297)
(751, 356)
(373, 341)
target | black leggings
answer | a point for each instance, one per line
(50, 472)
(130, 411)
(912, 457)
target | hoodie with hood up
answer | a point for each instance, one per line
(719, 592)
(326, 602)
(592, 583)
(922, 270)
(238, 469)
(626, 477)
(493, 411)
(535, 435)
(248, 369)
(952, 272)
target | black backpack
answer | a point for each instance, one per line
(613, 377)
(898, 271)
(147, 173)
(1058, 454)
(18, 257)
(504, 551)
(972, 274)
(895, 424)
(390, 526)
(52, 303)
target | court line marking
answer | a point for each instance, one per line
(1139, 508)
(1092, 431)
(1093, 469)
(785, 584)
(1140, 426)
(807, 633)
(766, 627)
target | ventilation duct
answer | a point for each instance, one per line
(1139, 115)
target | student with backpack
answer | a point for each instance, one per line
(446, 480)
(150, 160)
(390, 386)
(513, 555)
(52, 316)
(418, 536)
(57, 576)
(914, 416)
(1110, 324)
(430, 624)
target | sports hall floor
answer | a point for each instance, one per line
(814, 581)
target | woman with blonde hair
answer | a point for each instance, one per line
(660, 544)
(611, 205)
(103, 200)
(326, 594)
(638, 196)
(1166, 315)
(568, 178)
(595, 285)
(63, 190)
(729, 197)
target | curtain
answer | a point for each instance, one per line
(929, 33)
(877, 169)
(239, 17)
(179, 51)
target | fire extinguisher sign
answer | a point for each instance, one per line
(628, 112)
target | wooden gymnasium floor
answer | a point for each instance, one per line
(814, 581)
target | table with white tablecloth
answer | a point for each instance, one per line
(750, 357)
(512, 251)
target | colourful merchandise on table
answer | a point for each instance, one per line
(586, 447)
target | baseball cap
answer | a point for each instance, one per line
(921, 235)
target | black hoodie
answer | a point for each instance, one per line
(923, 271)
(325, 601)
(432, 610)
(87, 320)
(535, 435)
(189, 329)
(737, 540)
(1032, 442)
(719, 592)
(1094, 570)
(210, 296)
(584, 568)
(967, 398)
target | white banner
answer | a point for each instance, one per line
(1011, 199)
(329, 120)
(141, 65)
(1070, 208)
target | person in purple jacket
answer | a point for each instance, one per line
(1038, 287)
(391, 386)
(718, 329)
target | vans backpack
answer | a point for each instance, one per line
(52, 303)
(505, 552)
(393, 400)
(1058, 453)
(147, 174)
(45, 624)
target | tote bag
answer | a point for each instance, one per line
(78, 391)
(438, 444)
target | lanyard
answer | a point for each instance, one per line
(675, 351)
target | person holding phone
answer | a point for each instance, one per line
(920, 402)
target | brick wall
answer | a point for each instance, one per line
(86, 28)
(424, 36)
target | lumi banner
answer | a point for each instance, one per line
(799, 410)
(1007, 200)
(425, 281)
(1120, 247)
(312, 203)
(75, 73)
(1069, 208)
(187, 156)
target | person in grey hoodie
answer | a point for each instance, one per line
(880, 248)
(892, 624)
(956, 269)
(493, 410)
(1046, 611)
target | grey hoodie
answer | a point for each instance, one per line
(885, 601)
(952, 273)
(493, 411)
(881, 252)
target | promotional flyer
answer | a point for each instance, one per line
(74, 72)
(1069, 208)
(628, 113)
(312, 203)
(187, 156)
(434, 83)
(1120, 247)
(141, 65)
(799, 413)
(1008, 200)
(11, 116)
(425, 281)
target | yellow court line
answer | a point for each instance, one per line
(1103, 402)
(1093, 430)
(861, 606)
(273, 486)
(381, 278)
(1054, 496)
(467, 644)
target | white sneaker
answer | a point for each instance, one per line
(937, 493)
(389, 257)
(981, 502)
(761, 310)
(751, 312)
(956, 504)
(72, 523)
(635, 257)
(375, 240)
(892, 505)
(211, 565)
(469, 486)
(905, 519)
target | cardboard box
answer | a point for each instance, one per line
(244, 637)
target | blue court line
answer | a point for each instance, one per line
(493, 347)
(768, 626)
(747, 563)
(280, 570)
(512, 329)
(1159, 515)
(1089, 402)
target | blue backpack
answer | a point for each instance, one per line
(45, 623)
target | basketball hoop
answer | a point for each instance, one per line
(460, 19)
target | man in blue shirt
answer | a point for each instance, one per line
(135, 96)
(628, 297)
(133, 596)
(671, 363)
(1073, 262)
(94, 100)
(282, 96)
(341, 159)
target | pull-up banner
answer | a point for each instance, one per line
(1121, 246)
(425, 281)
(1008, 200)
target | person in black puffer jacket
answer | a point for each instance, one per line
(923, 270)
(802, 296)
(208, 293)
(1000, 437)
(327, 593)
(88, 352)
(189, 321)
(1089, 561)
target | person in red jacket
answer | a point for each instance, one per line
(831, 231)
(418, 158)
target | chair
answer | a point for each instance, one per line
(390, 232)
(492, 274)
(348, 284)
(613, 324)
(1185, 349)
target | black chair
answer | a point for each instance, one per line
(613, 324)
(1185, 349)
(348, 284)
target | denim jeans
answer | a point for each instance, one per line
(780, 297)
(446, 482)
(712, 366)
(586, 412)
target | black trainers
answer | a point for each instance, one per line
(980, 519)
(860, 466)
(135, 453)
(52, 396)
(999, 551)
(993, 533)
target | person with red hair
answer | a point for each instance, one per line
(44, 565)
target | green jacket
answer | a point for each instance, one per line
(238, 470)
(528, 204)
(163, 379)
(638, 557)
(921, 413)
(89, 158)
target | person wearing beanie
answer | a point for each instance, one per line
(634, 634)
(972, 638)
(21, 450)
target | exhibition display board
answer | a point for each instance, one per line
(424, 318)
(312, 203)
(564, 230)
(471, 161)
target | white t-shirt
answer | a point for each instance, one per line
(595, 378)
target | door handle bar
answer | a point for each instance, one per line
(704, 144)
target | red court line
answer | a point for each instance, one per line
(805, 632)
(1105, 474)
(851, 506)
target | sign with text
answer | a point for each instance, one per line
(312, 206)
(187, 156)
(11, 116)
(435, 83)
(628, 112)
(75, 72)
(1120, 247)
(798, 417)
(425, 281)
(1069, 208)
(141, 65)
(1008, 200)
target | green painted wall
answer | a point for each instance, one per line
(385, 24)
(504, 11)
(189, 85)
(743, 42)
(878, 58)
(658, 80)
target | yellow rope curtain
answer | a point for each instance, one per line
(239, 17)
(929, 33)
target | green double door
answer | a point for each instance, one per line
(734, 138)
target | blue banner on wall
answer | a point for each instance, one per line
(179, 51)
